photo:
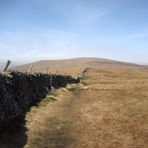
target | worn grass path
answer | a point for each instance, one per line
(107, 110)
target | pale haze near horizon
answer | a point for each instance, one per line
(32, 30)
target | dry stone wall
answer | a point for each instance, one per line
(19, 91)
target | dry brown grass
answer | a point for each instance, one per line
(107, 110)
(73, 72)
(70, 65)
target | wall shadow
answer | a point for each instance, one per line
(14, 134)
(18, 93)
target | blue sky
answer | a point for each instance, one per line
(32, 30)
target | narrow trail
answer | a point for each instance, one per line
(86, 115)
(108, 109)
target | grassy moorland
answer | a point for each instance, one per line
(108, 109)
(71, 66)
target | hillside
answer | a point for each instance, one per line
(146, 67)
(108, 109)
(71, 64)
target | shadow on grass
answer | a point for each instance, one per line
(14, 134)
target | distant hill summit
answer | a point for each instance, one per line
(75, 63)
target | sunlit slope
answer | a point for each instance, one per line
(76, 63)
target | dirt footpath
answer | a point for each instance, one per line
(107, 110)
